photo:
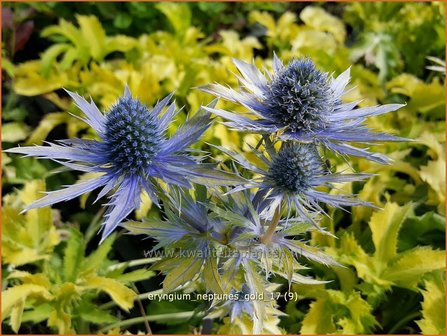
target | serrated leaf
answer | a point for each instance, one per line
(313, 321)
(93, 32)
(426, 229)
(16, 315)
(90, 313)
(31, 236)
(434, 174)
(13, 296)
(29, 82)
(338, 312)
(211, 276)
(410, 266)
(73, 255)
(367, 267)
(433, 308)
(38, 314)
(97, 257)
(385, 227)
(186, 270)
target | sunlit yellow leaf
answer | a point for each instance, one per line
(433, 308)
(385, 225)
(321, 20)
(410, 266)
(14, 295)
(119, 293)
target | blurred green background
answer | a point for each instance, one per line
(56, 280)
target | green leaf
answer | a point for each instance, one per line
(186, 270)
(16, 315)
(367, 267)
(97, 257)
(337, 312)
(31, 236)
(134, 276)
(38, 314)
(410, 266)
(178, 14)
(385, 227)
(433, 308)
(73, 255)
(61, 315)
(14, 296)
(319, 19)
(122, 21)
(434, 175)
(46, 125)
(119, 293)
(211, 276)
(120, 43)
(48, 58)
(427, 229)
(90, 313)
(93, 32)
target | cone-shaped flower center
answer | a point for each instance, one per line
(300, 97)
(295, 166)
(132, 137)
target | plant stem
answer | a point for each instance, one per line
(404, 321)
(143, 313)
(159, 317)
(136, 262)
(92, 229)
(266, 238)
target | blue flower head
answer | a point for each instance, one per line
(295, 167)
(132, 154)
(300, 97)
(292, 175)
(300, 103)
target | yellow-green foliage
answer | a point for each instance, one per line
(63, 288)
(381, 248)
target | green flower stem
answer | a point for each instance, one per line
(404, 321)
(142, 311)
(133, 263)
(158, 318)
(266, 238)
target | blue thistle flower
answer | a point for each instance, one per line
(298, 102)
(292, 175)
(132, 153)
(187, 221)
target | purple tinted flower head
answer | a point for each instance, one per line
(292, 175)
(295, 167)
(132, 154)
(133, 137)
(300, 97)
(300, 103)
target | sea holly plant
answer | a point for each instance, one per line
(131, 155)
(227, 233)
